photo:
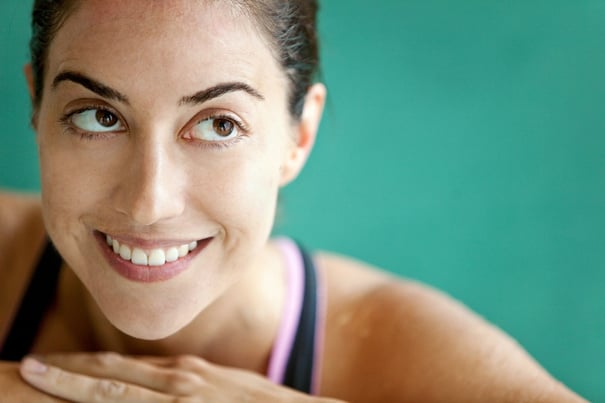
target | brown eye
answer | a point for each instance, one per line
(223, 127)
(96, 120)
(106, 118)
(216, 129)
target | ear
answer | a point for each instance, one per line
(29, 77)
(305, 132)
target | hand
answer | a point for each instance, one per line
(15, 390)
(104, 377)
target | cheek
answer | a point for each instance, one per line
(57, 185)
(71, 183)
(240, 192)
(244, 185)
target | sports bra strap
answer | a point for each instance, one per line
(38, 297)
(300, 367)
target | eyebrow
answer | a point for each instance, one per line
(92, 84)
(218, 90)
(197, 98)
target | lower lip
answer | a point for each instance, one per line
(148, 274)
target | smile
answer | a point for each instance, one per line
(144, 262)
(150, 257)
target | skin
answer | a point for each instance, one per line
(149, 182)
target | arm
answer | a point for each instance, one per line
(427, 347)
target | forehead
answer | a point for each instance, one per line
(180, 39)
(155, 15)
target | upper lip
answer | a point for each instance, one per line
(145, 241)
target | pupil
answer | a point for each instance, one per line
(105, 119)
(223, 127)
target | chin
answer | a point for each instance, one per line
(149, 315)
(149, 325)
(149, 333)
(150, 310)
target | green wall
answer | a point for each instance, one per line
(463, 146)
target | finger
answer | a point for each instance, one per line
(80, 359)
(133, 370)
(160, 361)
(84, 388)
(189, 362)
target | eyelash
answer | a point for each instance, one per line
(65, 121)
(217, 145)
(221, 145)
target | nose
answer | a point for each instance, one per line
(150, 188)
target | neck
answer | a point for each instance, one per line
(237, 329)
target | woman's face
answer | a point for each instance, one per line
(162, 124)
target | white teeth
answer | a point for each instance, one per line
(183, 250)
(125, 252)
(139, 257)
(172, 254)
(151, 257)
(157, 257)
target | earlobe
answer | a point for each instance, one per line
(306, 132)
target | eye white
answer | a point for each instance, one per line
(208, 129)
(91, 121)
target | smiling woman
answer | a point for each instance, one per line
(165, 131)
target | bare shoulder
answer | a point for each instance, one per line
(15, 208)
(391, 339)
(21, 237)
(21, 218)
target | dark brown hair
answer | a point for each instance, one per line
(290, 26)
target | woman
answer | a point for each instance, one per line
(165, 131)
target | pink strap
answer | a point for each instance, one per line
(292, 307)
(319, 332)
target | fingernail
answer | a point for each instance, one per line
(33, 366)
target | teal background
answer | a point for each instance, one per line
(463, 146)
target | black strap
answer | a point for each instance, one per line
(299, 370)
(38, 298)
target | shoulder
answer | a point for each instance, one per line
(394, 339)
(18, 207)
(21, 220)
(22, 235)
